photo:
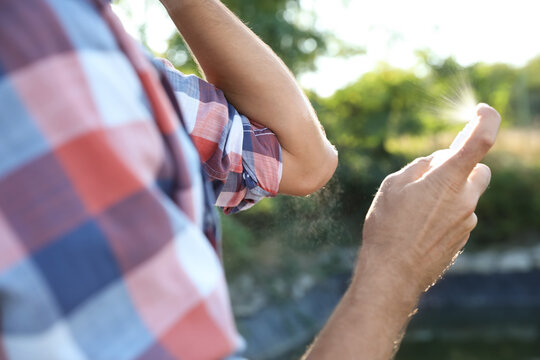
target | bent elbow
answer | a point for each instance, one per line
(316, 174)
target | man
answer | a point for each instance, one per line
(106, 229)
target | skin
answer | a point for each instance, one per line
(260, 86)
(420, 218)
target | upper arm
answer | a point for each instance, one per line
(241, 158)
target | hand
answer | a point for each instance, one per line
(422, 215)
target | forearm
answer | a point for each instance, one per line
(255, 81)
(370, 319)
(420, 219)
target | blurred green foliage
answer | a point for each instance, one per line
(367, 120)
(284, 26)
(509, 212)
(379, 123)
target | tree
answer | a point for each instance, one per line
(530, 79)
(282, 24)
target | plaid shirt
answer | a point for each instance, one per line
(107, 225)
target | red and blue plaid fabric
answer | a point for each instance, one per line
(109, 165)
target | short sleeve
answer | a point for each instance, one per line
(241, 158)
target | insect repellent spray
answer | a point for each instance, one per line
(441, 156)
(463, 135)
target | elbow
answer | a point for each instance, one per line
(316, 174)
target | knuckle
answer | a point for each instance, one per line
(487, 172)
(441, 183)
(426, 160)
(480, 179)
(449, 179)
(484, 110)
(454, 187)
(485, 169)
(486, 141)
(452, 184)
(469, 206)
(389, 181)
(472, 221)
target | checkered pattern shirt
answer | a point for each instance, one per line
(110, 165)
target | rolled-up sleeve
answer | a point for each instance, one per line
(241, 157)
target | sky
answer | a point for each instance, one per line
(391, 31)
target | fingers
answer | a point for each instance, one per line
(414, 170)
(459, 166)
(470, 223)
(479, 178)
(468, 226)
(463, 231)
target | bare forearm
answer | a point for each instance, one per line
(418, 222)
(256, 82)
(370, 319)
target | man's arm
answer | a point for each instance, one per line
(419, 221)
(260, 86)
